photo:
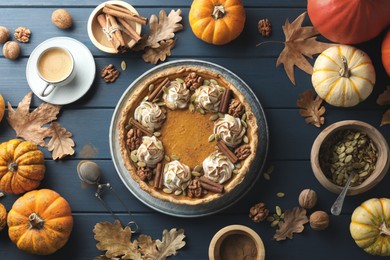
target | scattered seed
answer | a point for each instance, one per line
(200, 110)
(128, 127)
(191, 108)
(123, 65)
(151, 87)
(175, 157)
(179, 80)
(244, 123)
(178, 192)
(243, 118)
(157, 134)
(214, 117)
(206, 82)
(245, 139)
(280, 194)
(266, 176)
(221, 115)
(217, 138)
(166, 190)
(159, 145)
(134, 157)
(167, 158)
(237, 165)
(198, 168)
(270, 218)
(146, 98)
(169, 181)
(278, 211)
(211, 137)
(160, 104)
(213, 81)
(141, 164)
(274, 223)
(196, 174)
(235, 171)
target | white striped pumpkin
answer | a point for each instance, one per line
(343, 76)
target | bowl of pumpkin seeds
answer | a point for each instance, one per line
(347, 148)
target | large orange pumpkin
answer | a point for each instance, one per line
(40, 222)
(386, 52)
(21, 166)
(349, 21)
(217, 21)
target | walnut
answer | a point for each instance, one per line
(307, 199)
(22, 34)
(193, 81)
(319, 220)
(4, 34)
(110, 73)
(236, 109)
(144, 173)
(62, 19)
(11, 50)
(258, 212)
(264, 27)
(243, 151)
(194, 189)
(134, 139)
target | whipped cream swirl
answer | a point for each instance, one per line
(149, 115)
(217, 167)
(177, 176)
(151, 151)
(208, 97)
(230, 130)
(177, 95)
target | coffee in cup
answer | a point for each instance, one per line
(55, 66)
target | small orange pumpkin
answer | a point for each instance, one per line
(217, 21)
(21, 166)
(386, 52)
(3, 216)
(40, 222)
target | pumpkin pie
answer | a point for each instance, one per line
(187, 135)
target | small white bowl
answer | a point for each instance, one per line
(236, 242)
(96, 34)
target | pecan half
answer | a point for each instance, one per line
(193, 81)
(194, 189)
(236, 109)
(258, 212)
(144, 173)
(265, 27)
(243, 151)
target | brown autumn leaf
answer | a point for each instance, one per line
(115, 240)
(310, 108)
(292, 223)
(171, 242)
(386, 118)
(384, 98)
(61, 142)
(29, 125)
(153, 55)
(300, 41)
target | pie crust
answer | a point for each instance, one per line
(138, 96)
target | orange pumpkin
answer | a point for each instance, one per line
(21, 166)
(3, 216)
(40, 222)
(217, 21)
(386, 52)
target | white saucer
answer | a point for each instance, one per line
(85, 74)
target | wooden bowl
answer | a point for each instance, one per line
(236, 242)
(99, 38)
(382, 164)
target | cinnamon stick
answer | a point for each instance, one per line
(129, 30)
(157, 183)
(140, 127)
(117, 33)
(224, 105)
(156, 93)
(226, 151)
(124, 14)
(103, 24)
(210, 185)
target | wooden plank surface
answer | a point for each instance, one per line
(290, 138)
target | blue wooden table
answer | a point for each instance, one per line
(290, 138)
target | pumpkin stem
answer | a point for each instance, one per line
(36, 222)
(218, 12)
(344, 71)
(384, 230)
(12, 167)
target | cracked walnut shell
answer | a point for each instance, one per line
(22, 34)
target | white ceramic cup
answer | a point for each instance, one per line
(55, 66)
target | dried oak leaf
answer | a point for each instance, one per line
(299, 41)
(29, 125)
(386, 118)
(293, 223)
(165, 28)
(153, 55)
(310, 108)
(115, 240)
(172, 241)
(384, 98)
(61, 142)
(148, 247)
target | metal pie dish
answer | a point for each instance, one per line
(227, 199)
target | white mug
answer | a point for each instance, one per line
(56, 67)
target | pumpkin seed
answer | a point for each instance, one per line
(266, 176)
(160, 104)
(270, 218)
(169, 181)
(175, 157)
(146, 98)
(191, 107)
(157, 134)
(178, 192)
(244, 123)
(193, 97)
(217, 137)
(206, 82)
(134, 157)
(141, 164)
(245, 139)
(235, 171)
(159, 145)
(165, 90)
(128, 127)
(237, 166)
(196, 174)
(214, 117)
(166, 190)
(274, 223)
(166, 157)
(205, 192)
(180, 80)
(213, 81)
(198, 168)
(211, 137)
(243, 118)
(200, 110)
(123, 65)
(280, 195)
(151, 87)
(221, 115)
(278, 210)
